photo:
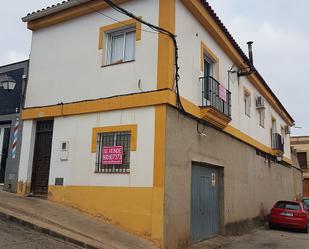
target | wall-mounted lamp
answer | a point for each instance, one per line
(279, 156)
(7, 82)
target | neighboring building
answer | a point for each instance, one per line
(102, 131)
(301, 144)
(10, 123)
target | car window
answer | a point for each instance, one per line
(292, 206)
(287, 205)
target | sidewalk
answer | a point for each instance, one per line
(67, 223)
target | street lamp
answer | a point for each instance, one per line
(7, 82)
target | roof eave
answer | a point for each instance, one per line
(52, 10)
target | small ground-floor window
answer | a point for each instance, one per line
(113, 152)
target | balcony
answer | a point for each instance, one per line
(216, 102)
(277, 143)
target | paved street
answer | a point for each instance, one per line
(260, 239)
(16, 236)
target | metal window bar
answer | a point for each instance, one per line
(107, 139)
(210, 96)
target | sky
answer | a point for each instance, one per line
(278, 28)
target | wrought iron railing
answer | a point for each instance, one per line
(277, 142)
(215, 95)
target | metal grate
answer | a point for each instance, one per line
(210, 96)
(108, 139)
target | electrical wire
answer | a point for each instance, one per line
(159, 30)
(114, 19)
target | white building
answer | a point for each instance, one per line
(100, 79)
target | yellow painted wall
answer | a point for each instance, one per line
(129, 207)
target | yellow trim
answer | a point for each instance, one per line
(215, 117)
(246, 92)
(207, 21)
(127, 207)
(159, 148)
(23, 188)
(116, 128)
(98, 105)
(115, 26)
(247, 139)
(134, 101)
(206, 50)
(69, 14)
(159, 174)
(287, 160)
(165, 68)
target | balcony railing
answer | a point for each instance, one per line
(277, 142)
(215, 95)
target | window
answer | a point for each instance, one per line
(287, 205)
(262, 117)
(273, 126)
(302, 159)
(120, 46)
(247, 100)
(113, 152)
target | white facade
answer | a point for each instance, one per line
(190, 34)
(67, 64)
(79, 168)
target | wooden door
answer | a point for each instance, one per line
(41, 159)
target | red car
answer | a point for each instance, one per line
(290, 214)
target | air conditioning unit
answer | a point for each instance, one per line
(260, 102)
(287, 129)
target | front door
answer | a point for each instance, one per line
(204, 203)
(4, 149)
(41, 158)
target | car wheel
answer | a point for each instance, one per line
(305, 230)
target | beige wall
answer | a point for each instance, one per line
(301, 144)
(250, 184)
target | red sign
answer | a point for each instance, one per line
(112, 155)
(222, 92)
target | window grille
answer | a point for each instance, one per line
(109, 139)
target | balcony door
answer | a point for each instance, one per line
(208, 72)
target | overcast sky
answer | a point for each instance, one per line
(279, 29)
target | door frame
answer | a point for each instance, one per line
(35, 153)
(221, 195)
(2, 127)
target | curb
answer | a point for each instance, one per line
(17, 220)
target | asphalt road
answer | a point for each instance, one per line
(270, 239)
(260, 239)
(15, 236)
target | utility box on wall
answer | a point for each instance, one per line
(64, 153)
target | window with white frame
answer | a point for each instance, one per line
(120, 46)
(113, 152)
(247, 102)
